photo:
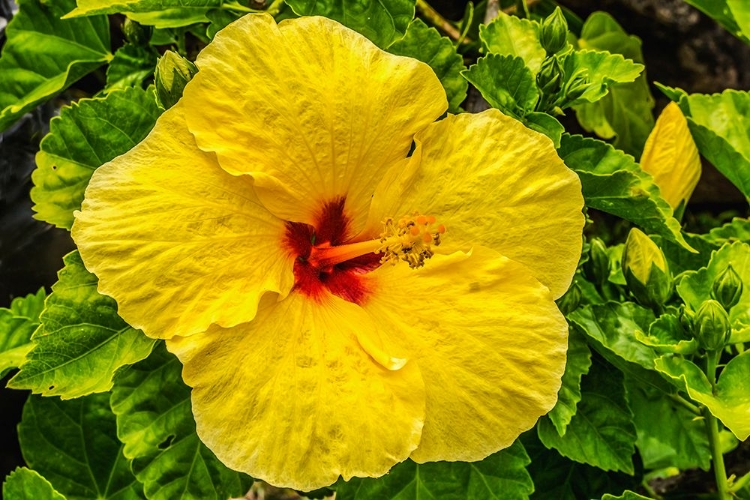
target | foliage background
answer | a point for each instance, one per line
(682, 47)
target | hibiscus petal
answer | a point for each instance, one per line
(492, 182)
(178, 242)
(309, 108)
(293, 399)
(489, 341)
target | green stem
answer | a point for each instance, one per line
(275, 7)
(712, 426)
(237, 7)
(685, 404)
(741, 483)
(438, 21)
(181, 44)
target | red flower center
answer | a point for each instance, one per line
(313, 278)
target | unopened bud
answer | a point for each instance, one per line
(646, 270)
(554, 32)
(727, 288)
(173, 72)
(711, 326)
(550, 76)
(135, 33)
(686, 319)
(569, 302)
(597, 267)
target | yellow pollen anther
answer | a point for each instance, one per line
(410, 239)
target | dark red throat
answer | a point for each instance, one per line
(347, 279)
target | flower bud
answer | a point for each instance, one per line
(686, 319)
(569, 302)
(135, 33)
(550, 76)
(554, 32)
(173, 72)
(597, 267)
(646, 270)
(711, 326)
(727, 288)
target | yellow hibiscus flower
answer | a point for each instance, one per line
(249, 230)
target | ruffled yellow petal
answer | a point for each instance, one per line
(312, 110)
(489, 341)
(293, 399)
(177, 241)
(493, 182)
(671, 156)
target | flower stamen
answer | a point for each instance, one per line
(410, 239)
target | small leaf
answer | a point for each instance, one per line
(382, 21)
(577, 365)
(155, 422)
(601, 69)
(729, 402)
(159, 13)
(601, 433)
(545, 124)
(44, 55)
(502, 475)
(505, 82)
(625, 113)
(737, 230)
(720, 124)
(614, 183)
(668, 434)
(613, 326)
(131, 65)
(25, 484)
(695, 286)
(425, 43)
(81, 342)
(17, 324)
(86, 135)
(513, 36)
(628, 495)
(73, 444)
(667, 335)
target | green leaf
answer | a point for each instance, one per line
(44, 55)
(613, 326)
(86, 135)
(669, 435)
(25, 484)
(737, 230)
(667, 335)
(382, 21)
(155, 422)
(720, 125)
(729, 402)
(17, 324)
(425, 43)
(601, 433)
(733, 15)
(578, 364)
(625, 113)
(695, 286)
(74, 445)
(81, 342)
(614, 183)
(505, 82)
(545, 124)
(502, 475)
(601, 69)
(131, 65)
(557, 478)
(219, 19)
(628, 495)
(159, 13)
(513, 36)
